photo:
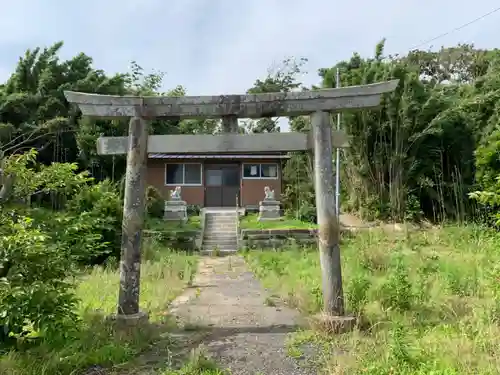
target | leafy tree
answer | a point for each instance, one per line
(33, 110)
(282, 78)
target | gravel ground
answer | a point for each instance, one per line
(245, 335)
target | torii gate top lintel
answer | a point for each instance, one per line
(241, 106)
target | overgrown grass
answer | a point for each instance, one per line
(428, 303)
(164, 274)
(199, 364)
(156, 224)
(94, 341)
(250, 221)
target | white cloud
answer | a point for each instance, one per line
(217, 46)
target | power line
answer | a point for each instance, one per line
(456, 29)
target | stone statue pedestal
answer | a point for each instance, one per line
(176, 209)
(269, 209)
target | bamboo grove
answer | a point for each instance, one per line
(431, 151)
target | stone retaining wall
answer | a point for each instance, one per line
(275, 238)
(278, 238)
(178, 240)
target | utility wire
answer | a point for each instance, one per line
(455, 29)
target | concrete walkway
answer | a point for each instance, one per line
(244, 334)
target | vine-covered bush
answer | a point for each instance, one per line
(93, 219)
(155, 202)
(35, 283)
(488, 175)
(193, 210)
(41, 250)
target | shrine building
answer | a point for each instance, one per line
(217, 179)
(222, 170)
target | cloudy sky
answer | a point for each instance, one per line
(222, 46)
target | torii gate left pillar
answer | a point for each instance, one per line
(134, 205)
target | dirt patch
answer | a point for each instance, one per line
(243, 333)
(352, 222)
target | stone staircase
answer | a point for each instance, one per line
(220, 232)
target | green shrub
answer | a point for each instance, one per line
(40, 248)
(34, 288)
(488, 175)
(396, 290)
(93, 224)
(193, 210)
(155, 203)
(307, 213)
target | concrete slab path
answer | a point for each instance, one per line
(244, 334)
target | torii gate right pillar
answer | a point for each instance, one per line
(328, 221)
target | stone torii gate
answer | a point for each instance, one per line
(318, 104)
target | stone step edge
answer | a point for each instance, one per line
(220, 238)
